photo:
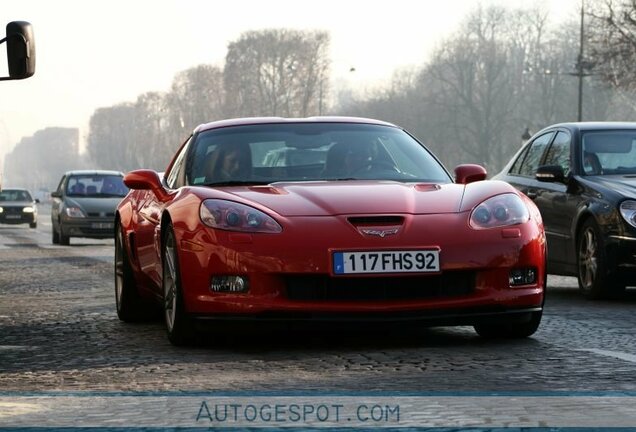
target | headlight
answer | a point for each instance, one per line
(628, 211)
(28, 210)
(501, 210)
(1, 209)
(74, 212)
(232, 216)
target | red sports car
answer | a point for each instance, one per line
(327, 218)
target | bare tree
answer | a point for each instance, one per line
(611, 36)
(277, 72)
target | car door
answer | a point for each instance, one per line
(556, 204)
(57, 202)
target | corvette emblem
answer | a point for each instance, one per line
(379, 232)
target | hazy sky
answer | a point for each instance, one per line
(95, 53)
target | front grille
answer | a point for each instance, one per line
(353, 289)
(13, 210)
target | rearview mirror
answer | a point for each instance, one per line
(20, 50)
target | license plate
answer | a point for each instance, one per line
(410, 261)
(13, 217)
(102, 225)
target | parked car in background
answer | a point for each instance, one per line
(84, 203)
(17, 206)
(365, 224)
(582, 177)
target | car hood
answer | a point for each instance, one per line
(351, 197)
(16, 204)
(94, 205)
(622, 184)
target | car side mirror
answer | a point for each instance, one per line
(145, 179)
(468, 173)
(37, 200)
(550, 174)
(56, 194)
(20, 50)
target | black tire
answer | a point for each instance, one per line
(64, 239)
(55, 238)
(179, 325)
(593, 276)
(510, 330)
(130, 307)
(33, 225)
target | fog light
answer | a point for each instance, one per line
(522, 276)
(235, 284)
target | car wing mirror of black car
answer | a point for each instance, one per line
(20, 50)
(550, 174)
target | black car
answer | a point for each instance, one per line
(17, 206)
(582, 176)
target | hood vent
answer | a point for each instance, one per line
(376, 220)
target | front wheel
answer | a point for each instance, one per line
(179, 324)
(64, 239)
(33, 225)
(594, 279)
(510, 330)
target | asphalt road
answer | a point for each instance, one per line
(59, 332)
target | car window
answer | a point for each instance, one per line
(613, 151)
(534, 155)
(309, 151)
(559, 152)
(175, 177)
(96, 185)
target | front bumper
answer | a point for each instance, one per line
(17, 218)
(290, 274)
(97, 228)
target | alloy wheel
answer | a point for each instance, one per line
(169, 282)
(588, 258)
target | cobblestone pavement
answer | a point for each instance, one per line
(59, 332)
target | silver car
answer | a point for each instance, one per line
(84, 204)
(17, 206)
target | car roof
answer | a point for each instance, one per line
(588, 126)
(279, 120)
(13, 189)
(93, 172)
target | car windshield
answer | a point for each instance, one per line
(101, 185)
(309, 152)
(15, 195)
(609, 152)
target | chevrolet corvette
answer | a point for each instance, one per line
(325, 218)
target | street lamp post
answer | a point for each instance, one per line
(580, 65)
